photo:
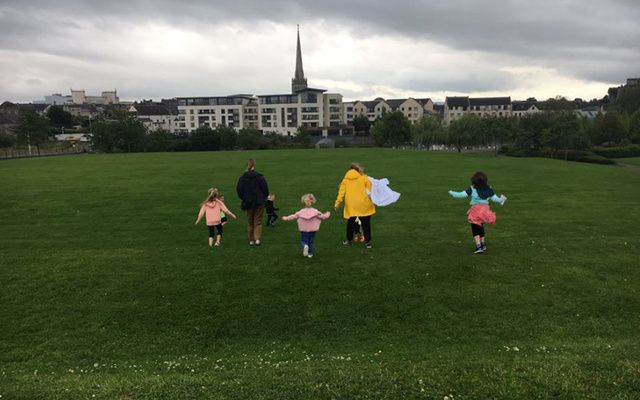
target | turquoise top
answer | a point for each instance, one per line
(477, 197)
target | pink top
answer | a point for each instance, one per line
(308, 218)
(212, 211)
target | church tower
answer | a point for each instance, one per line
(299, 82)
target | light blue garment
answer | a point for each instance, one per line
(475, 197)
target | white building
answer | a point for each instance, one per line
(520, 109)
(305, 107)
(456, 107)
(155, 117)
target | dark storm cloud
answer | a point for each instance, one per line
(590, 40)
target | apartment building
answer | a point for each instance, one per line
(412, 108)
(455, 107)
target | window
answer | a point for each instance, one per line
(309, 109)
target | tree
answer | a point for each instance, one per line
(205, 139)
(249, 138)
(634, 127)
(558, 103)
(627, 99)
(123, 133)
(160, 141)
(7, 140)
(529, 131)
(499, 131)
(59, 118)
(361, 125)
(427, 132)
(565, 134)
(465, 131)
(609, 129)
(32, 129)
(303, 138)
(392, 129)
(228, 137)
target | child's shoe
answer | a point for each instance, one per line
(310, 256)
(478, 250)
(484, 246)
(217, 244)
(346, 242)
(368, 245)
(305, 251)
(251, 243)
(257, 243)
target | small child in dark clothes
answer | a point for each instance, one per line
(272, 217)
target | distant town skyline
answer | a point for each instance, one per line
(359, 49)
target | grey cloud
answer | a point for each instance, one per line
(590, 39)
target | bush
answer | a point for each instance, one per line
(632, 150)
(576, 155)
(7, 140)
(342, 143)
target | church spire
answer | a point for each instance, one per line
(298, 82)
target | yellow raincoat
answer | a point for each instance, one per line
(353, 190)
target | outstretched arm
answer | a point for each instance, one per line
(324, 215)
(200, 214)
(500, 200)
(290, 217)
(458, 195)
(226, 210)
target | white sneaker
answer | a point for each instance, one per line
(257, 243)
(310, 256)
(251, 243)
(305, 250)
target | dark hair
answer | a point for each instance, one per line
(357, 167)
(479, 180)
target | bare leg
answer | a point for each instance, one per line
(210, 241)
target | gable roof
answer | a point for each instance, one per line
(145, 109)
(489, 101)
(395, 103)
(423, 101)
(455, 101)
(522, 105)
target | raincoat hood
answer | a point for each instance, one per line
(352, 174)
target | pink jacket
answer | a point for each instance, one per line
(308, 218)
(212, 211)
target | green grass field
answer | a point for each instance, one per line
(629, 160)
(109, 291)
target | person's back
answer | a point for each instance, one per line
(252, 190)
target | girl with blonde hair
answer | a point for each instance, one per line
(211, 208)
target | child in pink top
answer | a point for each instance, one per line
(309, 220)
(211, 209)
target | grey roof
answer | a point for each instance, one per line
(423, 101)
(522, 105)
(371, 104)
(145, 109)
(457, 101)
(310, 89)
(489, 101)
(395, 103)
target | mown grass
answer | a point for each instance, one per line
(108, 290)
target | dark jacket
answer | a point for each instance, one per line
(270, 208)
(252, 189)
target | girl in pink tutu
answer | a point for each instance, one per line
(479, 213)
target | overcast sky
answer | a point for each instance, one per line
(362, 49)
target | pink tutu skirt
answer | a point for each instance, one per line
(481, 214)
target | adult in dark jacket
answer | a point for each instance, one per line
(252, 189)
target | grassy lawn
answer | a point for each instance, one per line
(629, 160)
(109, 291)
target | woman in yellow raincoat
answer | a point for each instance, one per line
(354, 190)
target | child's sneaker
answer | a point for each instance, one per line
(368, 245)
(251, 243)
(484, 247)
(346, 242)
(305, 250)
(257, 243)
(478, 250)
(217, 244)
(310, 256)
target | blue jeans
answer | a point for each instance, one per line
(307, 238)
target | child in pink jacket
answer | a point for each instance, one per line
(309, 220)
(211, 208)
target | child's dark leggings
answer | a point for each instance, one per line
(477, 230)
(366, 227)
(213, 228)
(271, 218)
